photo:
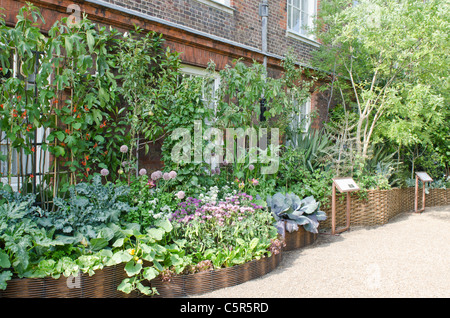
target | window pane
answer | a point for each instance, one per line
(304, 21)
(305, 5)
(296, 3)
(296, 20)
(289, 17)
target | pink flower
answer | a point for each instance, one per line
(156, 175)
(172, 174)
(180, 195)
(151, 184)
(254, 181)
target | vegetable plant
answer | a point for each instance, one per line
(290, 212)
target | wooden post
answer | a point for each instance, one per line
(348, 210)
(333, 210)
(416, 203)
(344, 185)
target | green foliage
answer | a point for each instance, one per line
(391, 55)
(89, 208)
(305, 168)
(148, 76)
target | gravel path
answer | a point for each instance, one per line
(408, 257)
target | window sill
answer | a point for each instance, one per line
(218, 5)
(302, 38)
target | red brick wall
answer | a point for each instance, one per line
(243, 26)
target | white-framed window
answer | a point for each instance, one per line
(224, 2)
(224, 5)
(302, 118)
(300, 17)
(210, 87)
(300, 123)
(21, 164)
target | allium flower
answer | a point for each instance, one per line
(142, 172)
(172, 174)
(217, 170)
(166, 176)
(104, 172)
(180, 195)
(251, 167)
(124, 149)
(156, 175)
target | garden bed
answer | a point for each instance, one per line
(104, 283)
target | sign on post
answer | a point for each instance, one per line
(424, 177)
(344, 185)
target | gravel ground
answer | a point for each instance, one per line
(409, 257)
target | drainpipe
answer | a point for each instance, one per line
(264, 14)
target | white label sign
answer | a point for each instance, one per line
(424, 177)
(346, 184)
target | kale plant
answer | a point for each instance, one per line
(22, 241)
(89, 209)
(290, 212)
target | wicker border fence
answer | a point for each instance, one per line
(382, 205)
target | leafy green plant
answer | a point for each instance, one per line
(290, 212)
(145, 255)
(89, 208)
(22, 241)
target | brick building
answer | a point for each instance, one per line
(205, 30)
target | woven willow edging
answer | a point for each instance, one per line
(382, 205)
(103, 284)
(298, 239)
(205, 282)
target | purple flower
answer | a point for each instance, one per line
(251, 167)
(124, 149)
(142, 172)
(166, 176)
(104, 172)
(217, 170)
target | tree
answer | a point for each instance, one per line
(390, 57)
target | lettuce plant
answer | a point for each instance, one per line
(290, 212)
